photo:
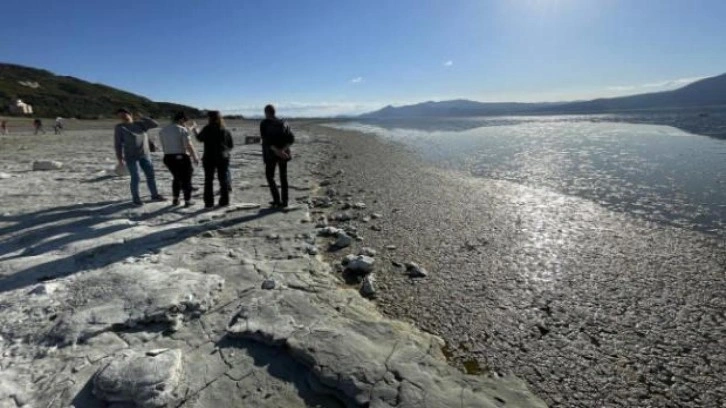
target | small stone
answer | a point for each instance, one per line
(348, 259)
(359, 206)
(331, 192)
(361, 264)
(208, 234)
(397, 264)
(376, 228)
(376, 216)
(343, 240)
(368, 287)
(268, 284)
(366, 219)
(45, 165)
(391, 247)
(415, 271)
(367, 251)
(273, 237)
(311, 249)
(4, 176)
(342, 216)
(328, 231)
(324, 183)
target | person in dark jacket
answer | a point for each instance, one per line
(276, 140)
(217, 146)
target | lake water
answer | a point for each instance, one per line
(657, 172)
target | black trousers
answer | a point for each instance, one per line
(220, 167)
(270, 165)
(180, 166)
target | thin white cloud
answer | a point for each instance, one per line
(448, 63)
(356, 80)
(661, 85)
(306, 109)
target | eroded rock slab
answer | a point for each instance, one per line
(128, 295)
(147, 381)
(362, 357)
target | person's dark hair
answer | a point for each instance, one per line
(180, 116)
(123, 110)
(215, 119)
(270, 110)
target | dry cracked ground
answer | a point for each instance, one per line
(106, 305)
(591, 307)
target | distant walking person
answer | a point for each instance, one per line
(58, 127)
(4, 127)
(276, 140)
(179, 153)
(132, 146)
(217, 146)
(38, 126)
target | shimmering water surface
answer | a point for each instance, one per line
(657, 172)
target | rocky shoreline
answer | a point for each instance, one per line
(103, 304)
(589, 306)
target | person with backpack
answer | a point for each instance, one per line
(179, 153)
(276, 140)
(132, 147)
(217, 146)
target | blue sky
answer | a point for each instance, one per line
(326, 57)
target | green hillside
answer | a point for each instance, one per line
(54, 95)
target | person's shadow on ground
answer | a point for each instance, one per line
(103, 255)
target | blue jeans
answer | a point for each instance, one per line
(145, 163)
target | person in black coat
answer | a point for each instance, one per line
(276, 140)
(217, 146)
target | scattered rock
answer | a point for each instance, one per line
(141, 380)
(45, 165)
(46, 288)
(273, 237)
(243, 206)
(367, 251)
(376, 216)
(343, 240)
(391, 247)
(348, 259)
(368, 287)
(342, 216)
(268, 284)
(325, 183)
(311, 249)
(376, 228)
(415, 271)
(4, 176)
(359, 206)
(397, 264)
(328, 232)
(331, 192)
(366, 219)
(360, 264)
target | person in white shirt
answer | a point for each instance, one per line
(179, 152)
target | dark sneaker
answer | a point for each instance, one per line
(158, 198)
(175, 202)
(138, 203)
(189, 203)
(224, 204)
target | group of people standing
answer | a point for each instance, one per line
(133, 146)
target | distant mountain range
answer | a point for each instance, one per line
(702, 93)
(55, 95)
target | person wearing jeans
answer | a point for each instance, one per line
(276, 140)
(217, 146)
(178, 155)
(132, 148)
